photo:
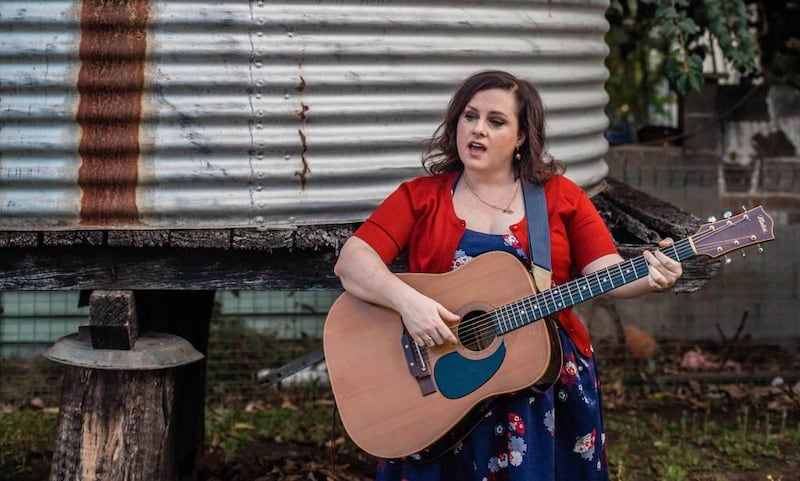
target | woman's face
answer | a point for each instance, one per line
(488, 131)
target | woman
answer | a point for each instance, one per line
(492, 138)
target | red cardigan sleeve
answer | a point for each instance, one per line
(588, 235)
(388, 228)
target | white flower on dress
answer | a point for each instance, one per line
(550, 421)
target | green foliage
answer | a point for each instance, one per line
(727, 21)
(26, 442)
(694, 446)
(651, 40)
(684, 65)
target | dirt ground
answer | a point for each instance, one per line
(268, 460)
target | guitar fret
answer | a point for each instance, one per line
(521, 314)
(561, 304)
(506, 319)
(498, 321)
(610, 279)
(569, 291)
(631, 266)
(552, 307)
(577, 284)
(537, 308)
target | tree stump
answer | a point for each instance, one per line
(118, 420)
(115, 425)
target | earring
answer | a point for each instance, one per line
(517, 156)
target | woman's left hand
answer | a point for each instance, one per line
(663, 271)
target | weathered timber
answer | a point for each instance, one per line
(657, 215)
(266, 240)
(18, 239)
(73, 238)
(299, 237)
(144, 238)
(622, 225)
(297, 258)
(113, 321)
(115, 426)
(78, 268)
(215, 239)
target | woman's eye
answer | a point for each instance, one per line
(496, 122)
(469, 116)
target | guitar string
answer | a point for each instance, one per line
(484, 323)
(552, 304)
(488, 327)
(503, 317)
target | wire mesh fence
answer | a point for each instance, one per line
(265, 330)
(249, 331)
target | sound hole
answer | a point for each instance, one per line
(476, 331)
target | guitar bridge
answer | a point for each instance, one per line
(418, 366)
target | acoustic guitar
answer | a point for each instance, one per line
(401, 400)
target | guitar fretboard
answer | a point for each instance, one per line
(538, 306)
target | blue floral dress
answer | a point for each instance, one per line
(557, 435)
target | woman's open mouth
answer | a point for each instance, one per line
(476, 148)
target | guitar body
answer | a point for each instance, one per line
(386, 409)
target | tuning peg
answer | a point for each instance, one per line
(744, 254)
(711, 218)
(760, 249)
(744, 209)
(727, 260)
(727, 214)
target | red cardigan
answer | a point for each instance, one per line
(419, 217)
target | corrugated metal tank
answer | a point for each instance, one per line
(138, 114)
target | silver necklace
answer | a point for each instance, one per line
(504, 210)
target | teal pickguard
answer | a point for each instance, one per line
(456, 376)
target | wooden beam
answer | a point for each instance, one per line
(130, 268)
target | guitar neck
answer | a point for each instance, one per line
(538, 306)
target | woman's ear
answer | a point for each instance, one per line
(520, 140)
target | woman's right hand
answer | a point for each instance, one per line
(427, 320)
(364, 275)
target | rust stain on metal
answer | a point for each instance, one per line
(301, 115)
(301, 112)
(303, 174)
(112, 51)
(301, 85)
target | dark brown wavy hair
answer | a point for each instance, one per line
(535, 165)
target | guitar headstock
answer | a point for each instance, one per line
(736, 232)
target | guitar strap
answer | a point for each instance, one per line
(538, 234)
